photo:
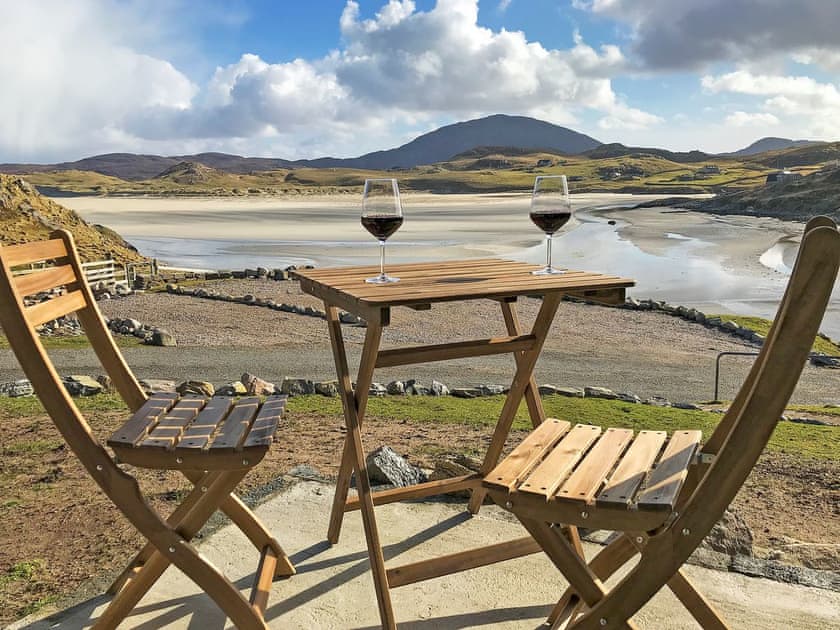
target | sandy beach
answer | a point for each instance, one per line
(716, 263)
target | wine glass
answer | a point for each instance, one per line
(381, 216)
(551, 209)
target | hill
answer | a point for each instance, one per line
(793, 200)
(26, 215)
(771, 143)
(799, 156)
(191, 173)
(616, 149)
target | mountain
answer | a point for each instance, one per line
(770, 144)
(442, 144)
(26, 215)
(616, 149)
(439, 145)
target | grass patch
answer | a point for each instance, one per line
(77, 342)
(797, 439)
(762, 327)
(821, 410)
(31, 405)
(24, 570)
(31, 447)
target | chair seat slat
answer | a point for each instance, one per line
(197, 435)
(45, 280)
(235, 427)
(632, 469)
(557, 465)
(27, 253)
(516, 466)
(49, 310)
(670, 472)
(138, 426)
(589, 476)
(266, 422)
(168, 431)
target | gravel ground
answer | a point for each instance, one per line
(643, 352)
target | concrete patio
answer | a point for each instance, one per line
(334, 589)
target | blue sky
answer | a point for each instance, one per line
(342, 77)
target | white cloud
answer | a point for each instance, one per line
(744, 119)
(503, 5)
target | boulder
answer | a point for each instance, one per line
(730, 536)
(15, 389)
(377, 389)
(821, 360)
(492, 390)
(387, 466)
(629, 397)
(256, 386)
(161, 338)
(157, 386)
(348, 318)
(395, 388)
(729, 326)
(658, 401)
(713, 321)
(81, 385)
(688, 406)
(235, 388)
(466, 392)
(439, 389)
(571, 392)
(105, 381)
(414, 388)
(196, 388)
(600, 392)
(327, 388)
(296, 386)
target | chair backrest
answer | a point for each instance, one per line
(744, 431)
(19, 322)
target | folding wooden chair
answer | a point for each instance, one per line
(214, 442)
(662, 494)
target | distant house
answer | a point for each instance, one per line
(708, 169)
(544, 163)
(782, 176)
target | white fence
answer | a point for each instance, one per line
(109, 272)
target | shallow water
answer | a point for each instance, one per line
(719, 264)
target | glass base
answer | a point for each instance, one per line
(382, 278)
(548, 271)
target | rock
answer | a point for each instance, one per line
(450, 466)
(105, 381)
(236, 388)
(681, 311)
(377, 389)
(729, 325)
(465, 392)
(629, 397)
(658, 401)
(162, 338)
(492, 390)
(685, 405)
(744, 333)
(157, 386)
(414, 388)
(600, 392)
(326, 388)
(820, 556)
(757, 338)
(821, 360)
(256, 386)
(631, 303)
(439, 389)
(196, 388)
(297, 386)
(395, 388)
(287, 308)
(348, 318)
(571, 392)
(81, 385)
(731, 536)
(16, 389)
(386, 466)
(713, 321)
(304, 471)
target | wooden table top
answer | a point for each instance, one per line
(427, 283)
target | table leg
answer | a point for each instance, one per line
(532, 393)
(523, 377)
(353, 456)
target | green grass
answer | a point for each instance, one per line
(30, 447)
(24, 570)
(76, 342)
(802, 440)
(816, 409)
(762, 327)
(31, 406)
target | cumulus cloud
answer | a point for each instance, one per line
(691, 34)
(744, 119)
(86, 86)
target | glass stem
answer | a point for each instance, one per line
(548, 251)
(381, 259)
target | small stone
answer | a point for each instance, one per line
(600, 392)
(439, 389)
(196, 388)
(492, 390)
(465, 392)
(256, 386)
(16, 389)
(729, 325)
(377, 389)
(687, 406)
(81, 385)
(629, 397)
(414, 388)
(570, 392)
(658, 401)
(713, 321)
(395, 388)
(162, 338)
(157, 386)
(348, 318)
(327, 388)
(387, 466)
(297, 386)
(105, 381)
(235, 388)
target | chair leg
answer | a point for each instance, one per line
(186, 558)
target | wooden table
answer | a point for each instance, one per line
(421, 286)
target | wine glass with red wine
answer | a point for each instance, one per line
(381, 216)
(551, 209)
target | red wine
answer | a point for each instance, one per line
(549, 221)
(382, 225)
